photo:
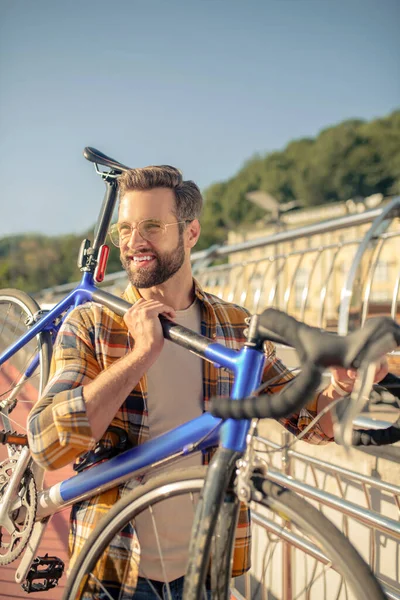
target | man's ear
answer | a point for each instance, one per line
(193, 233)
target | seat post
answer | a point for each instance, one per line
(106, 213)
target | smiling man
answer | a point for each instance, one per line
(111, 374)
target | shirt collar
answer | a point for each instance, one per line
(131, 294)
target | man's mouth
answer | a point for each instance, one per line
(142, 259)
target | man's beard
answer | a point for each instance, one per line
(165, 266)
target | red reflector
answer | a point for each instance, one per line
(101, 263)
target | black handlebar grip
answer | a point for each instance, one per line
(392, 383)
(377, 437)
(381, 437)
(274, 406)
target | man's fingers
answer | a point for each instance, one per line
(148, 310)
(347, 377)
(351, 373)
(156, 309)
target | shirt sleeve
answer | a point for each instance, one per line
(58, 425)
(278, 375)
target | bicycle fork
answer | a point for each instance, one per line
(213, 529)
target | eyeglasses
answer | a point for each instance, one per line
(149, 229)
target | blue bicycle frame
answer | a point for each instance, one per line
(199, 434)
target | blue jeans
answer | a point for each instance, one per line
(145, 592)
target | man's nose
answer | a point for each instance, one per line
(134, 236)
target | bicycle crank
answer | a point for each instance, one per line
(17, 524)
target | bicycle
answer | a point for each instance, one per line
(234, 475)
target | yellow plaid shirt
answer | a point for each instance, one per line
(90, 340)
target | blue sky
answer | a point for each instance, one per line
(202, 85)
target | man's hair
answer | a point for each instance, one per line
(188, 198)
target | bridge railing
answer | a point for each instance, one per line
(332, 274)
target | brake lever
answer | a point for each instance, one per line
(343, 424)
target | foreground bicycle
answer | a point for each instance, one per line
(234, 475)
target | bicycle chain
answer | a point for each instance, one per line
(14, 542)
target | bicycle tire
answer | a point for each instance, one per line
(171, 484)
(19, 306)
(305, 517)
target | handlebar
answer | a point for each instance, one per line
(317, 350)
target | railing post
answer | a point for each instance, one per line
(286, 548)
(378, 226)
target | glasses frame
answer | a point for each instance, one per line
(114, 229)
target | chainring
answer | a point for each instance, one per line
(16, 530)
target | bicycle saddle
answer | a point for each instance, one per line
(97, 157)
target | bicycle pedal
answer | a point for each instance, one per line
(44, 574)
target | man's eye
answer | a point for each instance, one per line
(151, 227)
(124, 230)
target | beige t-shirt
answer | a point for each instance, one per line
(175, 395)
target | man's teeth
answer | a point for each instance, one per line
(141, 258)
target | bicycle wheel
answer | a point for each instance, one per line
(300, 516)
(22, 379)
(24, 375)
(86, 579)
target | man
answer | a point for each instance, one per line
(107, 370)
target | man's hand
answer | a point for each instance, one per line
(107, 392)
(345, 378)
(143, 323)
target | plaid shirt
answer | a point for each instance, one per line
(90, 340)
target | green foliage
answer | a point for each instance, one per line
(33, 262)
(353, 158)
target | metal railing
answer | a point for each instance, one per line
(324, 273)
(378, 529)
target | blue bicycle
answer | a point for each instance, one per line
(235, 475)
